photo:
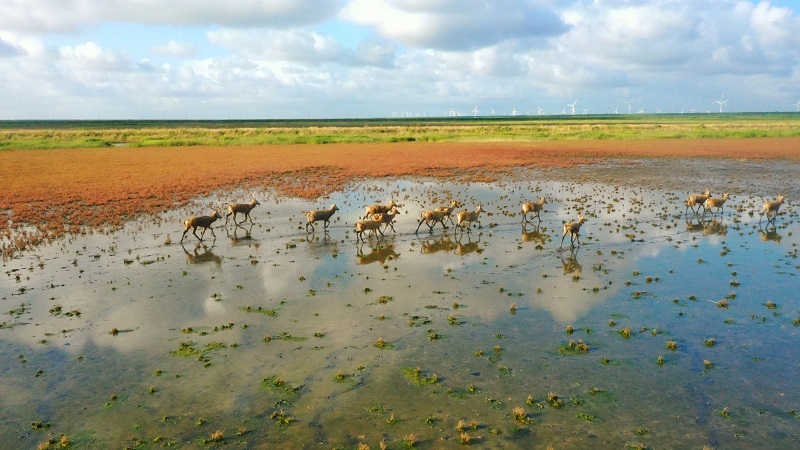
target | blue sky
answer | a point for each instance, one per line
(257, 59)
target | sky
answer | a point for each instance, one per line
(320, 59)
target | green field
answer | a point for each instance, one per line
(88, 134)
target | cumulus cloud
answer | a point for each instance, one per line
(176, 49)
(92, 57)
(299, 46)
(8, 48)
(455, 24)
(371, 57)
(72, 15)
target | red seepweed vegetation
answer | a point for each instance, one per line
(48, 193)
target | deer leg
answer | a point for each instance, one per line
(419, 225)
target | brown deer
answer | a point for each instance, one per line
(430, 218)
(718, 203)
(320, 214)
(697, 200)
(387, 218)
(470, 217)
(573, 229)
(203, 222)
(375, 209)
(241, 208)
(371, 226)
(533, 207)
(771, 207)
(448, 211)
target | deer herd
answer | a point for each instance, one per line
(378, 218)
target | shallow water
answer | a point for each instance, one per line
(269, 334)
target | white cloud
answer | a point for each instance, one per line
(372, 57)
(91, 57)
(455, 24)
(72, 15)
(176, 49)
(8, 48)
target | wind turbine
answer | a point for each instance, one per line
(721, 102)
(475, 111)
(541, 110)
(572, 106)
(492, 111)
(629, 103)
(514, 111)
(798, 106)
(585, 111)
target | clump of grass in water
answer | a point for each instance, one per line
(280, 386)
(573, 348)
(519, 415)
(417, 376)
(554, 400)
(381, 343)
(260, 309)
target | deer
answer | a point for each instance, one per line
(573, 229)
(203, 222)
(699, 199)
(320, 214)
(430, 218)
(241, 208)
(533, 207)
(448, 211)
(369, 225)
(469, 216)
(387, 218)
(771, 207)
(715, 202)
(376, 208)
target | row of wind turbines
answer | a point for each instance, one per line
(540, 111)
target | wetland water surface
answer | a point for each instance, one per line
(661, 330)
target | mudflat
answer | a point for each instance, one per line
(62, 190)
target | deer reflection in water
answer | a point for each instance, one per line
(470, 246)
(770, 234)
(708, 227)
(322, 245)
(571, 265)
(536, 235)
(379, 253)
(236, 238)
(206, 256)
(441, 243)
